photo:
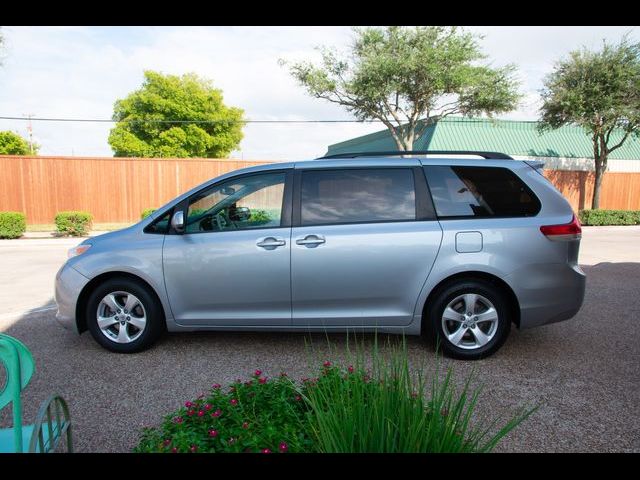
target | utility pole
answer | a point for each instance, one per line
(30, 131)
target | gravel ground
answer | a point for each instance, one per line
(582, 373)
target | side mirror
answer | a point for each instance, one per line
(177, 221)
(239, 214)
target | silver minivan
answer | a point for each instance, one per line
(437, 243)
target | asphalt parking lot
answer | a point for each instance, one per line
(582, 373)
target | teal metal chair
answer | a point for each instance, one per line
(52, 422)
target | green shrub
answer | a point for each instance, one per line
(146, 213)
(345, 409)
(76, 224)
(12, 224)
(609, 217)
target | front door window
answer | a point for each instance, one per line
(250, 202)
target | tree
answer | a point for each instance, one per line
(13, 144)
(599, 91)
(408, 78)
(175, 116)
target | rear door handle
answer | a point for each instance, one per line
(271, 242)
(311, 240)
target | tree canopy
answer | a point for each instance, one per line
(406, 77)
(599, 91)
(175, 116)
(13, 144)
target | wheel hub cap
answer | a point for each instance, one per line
(117, 327)
(470, 321)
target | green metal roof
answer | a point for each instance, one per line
(506, 136)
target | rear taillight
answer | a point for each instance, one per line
(566, 231)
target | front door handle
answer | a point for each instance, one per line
(271, 242)
(311, 240)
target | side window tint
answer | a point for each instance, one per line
(461, 191)
(253, 201)
(357, 196)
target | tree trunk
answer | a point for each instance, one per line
(403, 143)
(595, 202)
(600, 154)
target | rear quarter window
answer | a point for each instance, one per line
(464, 191)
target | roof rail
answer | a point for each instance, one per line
(486, 155)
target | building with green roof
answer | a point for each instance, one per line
(566, 148)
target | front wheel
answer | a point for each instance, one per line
(470, 319)
(124, 316)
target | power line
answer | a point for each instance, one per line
(104, 120)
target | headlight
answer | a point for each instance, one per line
(79, 250)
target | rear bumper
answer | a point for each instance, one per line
(69, 284)
(548, 293)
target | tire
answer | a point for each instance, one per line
(143, 324)
(470, 337)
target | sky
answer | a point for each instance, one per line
(79, 72)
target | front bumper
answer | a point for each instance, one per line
(548, 293)
(69, 284)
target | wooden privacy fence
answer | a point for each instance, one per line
(118, 189)
(620, 190)
(112, 189)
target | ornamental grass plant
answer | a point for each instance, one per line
(384, 405)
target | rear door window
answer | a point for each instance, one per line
(461, 191)
(357, 196)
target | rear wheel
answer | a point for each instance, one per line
(470, 319)
(124, 316)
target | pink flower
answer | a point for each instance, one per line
(188, 404)
(178, 419)
(233, 401)
(350, 368)
(194, 449)
(298, 398)
(191, 412)
(167, 442)
(200, 413)
(262, 380)
(326, 364)
(174, 450)
(208, 406)
(245, 425)
(201, 395)
(266, 450)
(283, 447)
(217, 413)
(216, 385)
(257, 373)
(213, 433)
